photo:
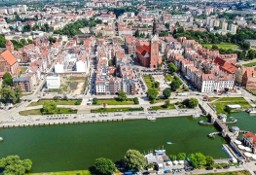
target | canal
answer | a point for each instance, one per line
(72, 147)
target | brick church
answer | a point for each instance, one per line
(147, 52)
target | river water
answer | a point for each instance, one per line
(73, 147)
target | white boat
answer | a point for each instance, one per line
(1, 139)
(160, 151)
(151, 118)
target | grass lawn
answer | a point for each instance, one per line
(115, 102)
(154, 108)
(58, 102)
(221, 103)
(212, 98)
(149, 80)
(168, 77)
(231, 173)
(250, 64)
(38, 112)
(225, 46)
(100, 110)
(81, 172)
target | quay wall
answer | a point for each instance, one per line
(59, 119)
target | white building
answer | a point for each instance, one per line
(59, 68)
(53, 82)
(81, 66)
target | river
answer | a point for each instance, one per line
(73, 147)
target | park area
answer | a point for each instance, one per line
(220, 103)
(102, 110)
(58, 111)
(162, 107)
(115, 102)
(150, 82)
(57, 102)
(225, 46)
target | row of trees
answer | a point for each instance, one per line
(9, 93)
(14, 165)
(72, 29)
(197, 160)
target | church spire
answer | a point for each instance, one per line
(154, 32)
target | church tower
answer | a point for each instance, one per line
(154, 52)
(9, 46)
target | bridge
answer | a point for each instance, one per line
(208, 110)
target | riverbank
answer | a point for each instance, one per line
(59, 119)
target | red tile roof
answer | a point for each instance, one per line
(8, 57)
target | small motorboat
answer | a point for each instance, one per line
(1, 139)
(169, 143)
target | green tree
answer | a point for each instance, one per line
(135, 160)
(104, 166)
(17, 92)
(94, 101)
(190, 103)
(7, 95)
(2, 41)
(136, 100)
(152, 93)
(181, 156)
(166, 104)
(121, 96)
(49, 108)
(173, 157)
(27, 28)
(215, 47)
(167, 93)
(175, 85)
(14, 165)
(209, 161)
(227, 109)
(172, 68)
(156, 85)
(7, 79)
(197, 159)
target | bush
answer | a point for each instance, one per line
(95, 101)
(136, 100)
(167, 93)
(78, 102)
(190, 103)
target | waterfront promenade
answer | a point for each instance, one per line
(57, 119)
